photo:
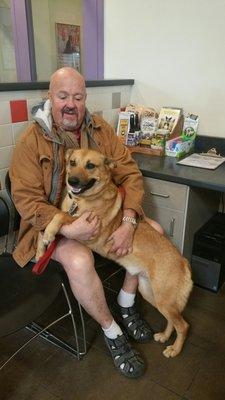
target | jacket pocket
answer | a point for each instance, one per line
(46, 164)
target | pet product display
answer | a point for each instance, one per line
(168, 118)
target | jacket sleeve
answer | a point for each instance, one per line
(127, 174)
(27, 184)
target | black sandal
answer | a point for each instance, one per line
(126, 360)
(135, 326)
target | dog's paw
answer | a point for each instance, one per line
(39, 254)
(170, 351)
(48, 238)
(160, 337)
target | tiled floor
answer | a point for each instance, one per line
(44, 372)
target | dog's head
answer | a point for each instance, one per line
(87, 172)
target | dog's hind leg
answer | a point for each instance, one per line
(162, 337)
(175, 320)
(147, 293)
(145, 288)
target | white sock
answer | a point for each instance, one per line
(125, 299)
(113, 331)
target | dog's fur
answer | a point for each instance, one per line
(164, 275)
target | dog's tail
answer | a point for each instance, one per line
(186, 287)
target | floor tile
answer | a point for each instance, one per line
(175, 374)
(206, 327)
(17, 385)
(207, 300)
(209, 382)
(95, 377)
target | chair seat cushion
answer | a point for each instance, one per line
(23, 295)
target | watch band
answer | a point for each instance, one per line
(130, 220)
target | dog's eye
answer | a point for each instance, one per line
(72, 163)
(90, 165)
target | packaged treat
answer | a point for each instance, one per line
(159, 140)
(190, 126)
(123, 126)
(168, 118)
(148, 127)
(131, 135)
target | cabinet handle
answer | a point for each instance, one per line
(165, 196)
(172, 223)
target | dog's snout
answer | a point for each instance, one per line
(73, 180)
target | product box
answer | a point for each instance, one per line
(190, 125)
(123, 126)
(169, 118)
(179, 146)
(184, 143)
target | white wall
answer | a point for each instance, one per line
(175, 51)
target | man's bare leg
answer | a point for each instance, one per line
(78, 263)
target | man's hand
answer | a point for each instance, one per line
(84, 228)
(122, 240)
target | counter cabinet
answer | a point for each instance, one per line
(180, 209)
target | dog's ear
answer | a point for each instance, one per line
(110, 163)
(68, 154)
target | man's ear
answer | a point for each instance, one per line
(110, 163)
(68, 154)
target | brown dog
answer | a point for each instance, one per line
(164, 275)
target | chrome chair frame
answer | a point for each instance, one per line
(6, 228)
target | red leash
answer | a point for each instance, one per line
(42, 263)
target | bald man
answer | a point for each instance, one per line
(37, 172)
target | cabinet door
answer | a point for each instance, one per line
(172, 221)
(165, 194)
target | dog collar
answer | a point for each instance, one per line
(73, 209)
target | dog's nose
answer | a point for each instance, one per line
(73, 180)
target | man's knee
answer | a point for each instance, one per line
(79, 263)
(82, 261)
(74, 257)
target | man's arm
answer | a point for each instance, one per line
(27, 186)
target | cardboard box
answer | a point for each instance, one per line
(179, 146)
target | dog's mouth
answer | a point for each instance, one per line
(78, 187)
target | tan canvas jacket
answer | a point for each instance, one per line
(35, 165)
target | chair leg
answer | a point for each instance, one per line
(80, 353)
(45, 334)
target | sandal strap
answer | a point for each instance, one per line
(125, 358)
(136, 326)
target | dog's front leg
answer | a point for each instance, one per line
(54, 226)
(40, 247)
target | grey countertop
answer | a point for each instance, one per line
(166, 168)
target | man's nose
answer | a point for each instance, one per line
(71, 102)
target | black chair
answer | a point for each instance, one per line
(25, 296)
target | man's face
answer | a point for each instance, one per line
(68, 96)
